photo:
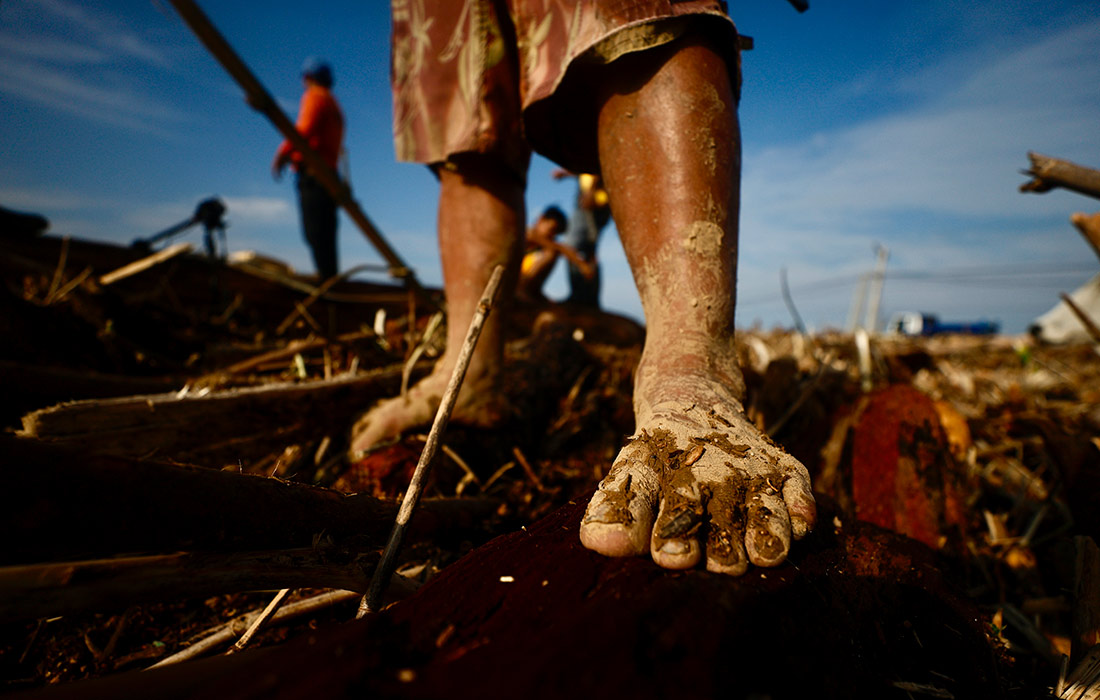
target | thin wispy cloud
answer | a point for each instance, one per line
(67, 92)
(52, 49)
(958, 155)
(51, 199)
(260, 209)
(937, 182)
(84, 62)
(104, 31)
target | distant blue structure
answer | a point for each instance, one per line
(914, 323)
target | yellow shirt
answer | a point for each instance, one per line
(587, 182)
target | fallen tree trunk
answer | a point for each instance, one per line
(1048, 173)
(29, 387)
(213, 429)
(109, 505)
(46, 590)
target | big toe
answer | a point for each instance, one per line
(619, 517)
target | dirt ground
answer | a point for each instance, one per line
(958, 477)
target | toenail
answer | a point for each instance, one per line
(675, 547)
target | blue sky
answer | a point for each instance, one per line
(864, 122)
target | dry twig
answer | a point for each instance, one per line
(384, 570)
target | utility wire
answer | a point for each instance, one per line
(1020, 274)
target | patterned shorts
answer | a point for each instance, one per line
(490, 76)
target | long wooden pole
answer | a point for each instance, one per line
(259, 98)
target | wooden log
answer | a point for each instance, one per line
(1048, 173)
(46, 386)
(212, 429)
(46, 590)
(109, 505)
(1089, 226)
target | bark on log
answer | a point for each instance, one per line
(858, 612)
(1048, 173)
(216, 428)
(59, 503)
(65, 588)
(1089, 226)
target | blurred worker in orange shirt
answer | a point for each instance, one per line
(321, 122)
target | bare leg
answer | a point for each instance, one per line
(697, 479)
(481, 224)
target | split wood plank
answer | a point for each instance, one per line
(243, 422)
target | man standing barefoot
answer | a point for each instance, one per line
(643, 92)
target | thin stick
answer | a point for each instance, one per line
(144, 264)
(69, 286)
(384, 570)
(433, 324)
(224, 632)
(318, 293)
(527, 469)
(62, 259)
(1083, 317)
(455, 457)
(263, 617)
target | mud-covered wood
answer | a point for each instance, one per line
(60, 503)
(858, 612)
(1048, 173)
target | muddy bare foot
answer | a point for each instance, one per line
(479, 405)
(698, 481)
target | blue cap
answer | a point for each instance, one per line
(318, 71)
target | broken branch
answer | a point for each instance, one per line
(1048, 173)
